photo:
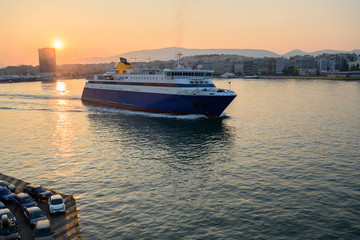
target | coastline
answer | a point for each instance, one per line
(310, 78)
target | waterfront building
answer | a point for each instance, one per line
(342, 61)
(219, 68)
(281, 64)
(304, 62)
(19, 70)
(239, 68)
(307, 71)
(82, 70)
(208, 65)
(249, 67)
(47, 60)
(261, 66)
(326, 64)
(272, 66)
(355, 64)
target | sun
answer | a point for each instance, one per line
(58, 44)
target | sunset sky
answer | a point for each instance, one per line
(89, 28)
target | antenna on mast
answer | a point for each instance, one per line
(179, 56)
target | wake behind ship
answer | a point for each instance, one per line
(175, 91)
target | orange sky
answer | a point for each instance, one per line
(104, 28)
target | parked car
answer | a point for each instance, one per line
(8, 229)
(37, 191)
(6, 211)
(9, 186)
(1, 205)
(34, 214)
(24, 201)
(56, 204)
(43, 230)
(6, 195)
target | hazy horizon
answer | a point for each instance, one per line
(90, 28)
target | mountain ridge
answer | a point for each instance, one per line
(169, 53)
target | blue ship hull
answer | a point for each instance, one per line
(211, 106)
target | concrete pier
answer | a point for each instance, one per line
(65, 226)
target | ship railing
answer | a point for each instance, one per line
(197, 91)
(224, 90)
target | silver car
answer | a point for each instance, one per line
(43, 230)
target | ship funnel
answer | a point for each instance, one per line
(123, 65)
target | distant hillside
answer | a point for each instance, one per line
(294, 52)
(329, 51)
(317, 53)
(166, 54)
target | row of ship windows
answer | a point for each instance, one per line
(198, 82)
(189, 74)
(153, 78)
(138, 78)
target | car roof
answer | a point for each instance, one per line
(22, 195)
(4, 210)
(56, 196)
(33, 209)
(42, 224)
(3, 181)
(34, 185)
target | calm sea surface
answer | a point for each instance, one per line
(284, 163)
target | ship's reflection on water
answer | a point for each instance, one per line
(181, 142)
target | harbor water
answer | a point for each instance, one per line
(282, 163)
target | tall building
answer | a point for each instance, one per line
(281, 64)
(47, 60)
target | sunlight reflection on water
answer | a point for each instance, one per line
(282, 163)
(61, 88)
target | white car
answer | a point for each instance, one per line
(56, 204)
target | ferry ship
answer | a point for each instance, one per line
(175, 91)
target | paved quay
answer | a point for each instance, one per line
(65, 226)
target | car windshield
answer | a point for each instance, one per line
(39, 189)
(56, 201)
(27, 199)
(43, 232)
(37, 214)
(8, 230)
(4, 192)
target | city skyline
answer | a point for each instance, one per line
(90, 28)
